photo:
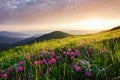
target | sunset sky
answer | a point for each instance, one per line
(59, 14)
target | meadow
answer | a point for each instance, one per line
(82, 57)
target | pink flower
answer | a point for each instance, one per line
(20, 69)
(36, 63)
(78, 69)
(76, 54)
(21, 63)
(41, 61)
(67, 53)
(58, 58)
(44, 61)
(4, 76)
(52, 53)
(52, 61)
(69, 49)
(10, 69)
(88, 74)
(72, 54)
(51, 56)
(77, 64)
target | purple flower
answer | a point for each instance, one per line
(10, 69)
(36, 63)
(51, 56)
(4, 76)
(72, 54)
(58, 58)
(90, 50)
(72, 57)
(76, 54)
(52, 61)
(78, 69)
(44, 61)
(88, 74)
(52, 53)
(21, 63)
(77, 64)
(42, 55)
(41, 61)
(20, 69)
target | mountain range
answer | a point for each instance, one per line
(12, 39)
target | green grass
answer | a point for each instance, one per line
(105, 64)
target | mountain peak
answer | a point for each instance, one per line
(49, 36)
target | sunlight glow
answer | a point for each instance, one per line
(95, 24)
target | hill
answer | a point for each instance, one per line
(115, 28)
(49, 36)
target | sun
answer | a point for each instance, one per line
(94, 24)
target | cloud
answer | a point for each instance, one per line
(18, 10)
(45, 11)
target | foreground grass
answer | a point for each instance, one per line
(103, 62)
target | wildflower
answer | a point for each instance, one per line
(76, 54)
(44, 61)
(21, 63)
(4, 76)
(72, 57)
(90, 50)
(52, 61)
(72, 54)
(52, 53)
(64, 52)
(36, 63)
(58, 58)
(69, 49)
(88, 74)
(42, 55)
(67, 53)
(51, 56)
(41, 61)
(77, 64)
(78, 69)
(20, 69)
(10, 69)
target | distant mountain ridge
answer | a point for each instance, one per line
(48, 36)
(13, 34)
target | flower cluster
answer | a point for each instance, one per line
(49, 63)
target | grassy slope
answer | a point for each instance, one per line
(8, 58)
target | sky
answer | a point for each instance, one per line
(59, 14)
